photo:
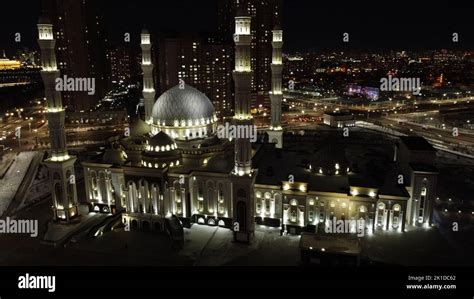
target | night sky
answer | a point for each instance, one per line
(372, 25)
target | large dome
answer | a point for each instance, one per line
(183, 106)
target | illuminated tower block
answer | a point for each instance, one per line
(275, 133)
(60, 164)
(147, 68)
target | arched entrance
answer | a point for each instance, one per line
(145, 226)
(134, 224)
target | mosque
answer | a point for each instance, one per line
(173, 163)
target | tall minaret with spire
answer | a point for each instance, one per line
(243, 177)
(147, 68)
(60, 164)
(275, 133)
(242, 80)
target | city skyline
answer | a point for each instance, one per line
(407, 26)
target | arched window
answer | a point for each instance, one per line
(268, 196)
(293, 210)
(200, 197)
(311, 210)
(70, 188)
(58, 192)
(322, 212)
(396, 216)
(422, 201)
(380, 214)
(132, 197)
(94, 185)
(220, 200)
(210, 197)
(178, 197)
(362, 212)
(396, 207)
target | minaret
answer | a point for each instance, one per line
(243, 176)
(60, 164)
(147, 68)
(242, 80)
(276, 133)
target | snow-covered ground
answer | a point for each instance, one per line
(420, 247)
(38, 189)
(5, 162)
(214, 246)
(13, 178)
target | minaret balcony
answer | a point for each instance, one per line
(54, 110)
(243, 116)
(49, 69)
(59, 158)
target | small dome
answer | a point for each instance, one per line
(162, 140)
(145, 31)
(182, 105)
(139, 128)
(161, 152)
(114, 156)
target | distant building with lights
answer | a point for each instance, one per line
(97, 118)
(7, 64)
(19, 83)
(123, 65)
(338, 119)
(81, 47)
(370, 93)
(266, 15)
(13, 73)
(201, 62)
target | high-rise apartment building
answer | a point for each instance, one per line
(81, 46)
(203, 63)
(265, 15)
(123, 64)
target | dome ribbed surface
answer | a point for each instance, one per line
(179, 104)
